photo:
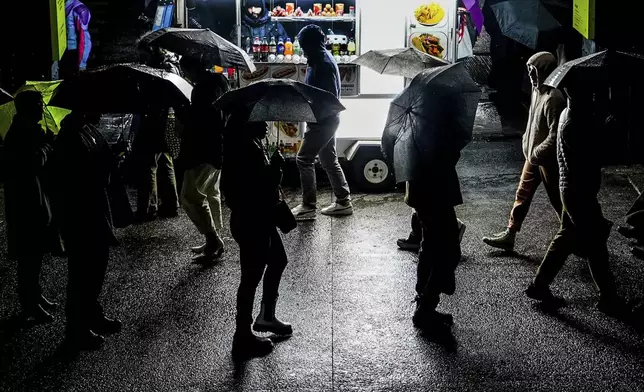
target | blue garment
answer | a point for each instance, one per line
(78, 38)
(323, 72)
(261, 26)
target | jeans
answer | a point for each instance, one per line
(319, 139)
(582, 226)
(148, 199)
(531, 177)
(87, 265)
(261, 249)
(201, 198)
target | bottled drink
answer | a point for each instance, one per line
(264, 49)
(288, 47)
(296, 47)
(257, 49)
(280, 46)
(248, 46)
(351, 47)
(273, 46)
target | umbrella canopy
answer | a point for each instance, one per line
(123, 88)
(407, 62)
(52, 116)
(602, 67)
(281, 100)
(434, 113)
(5, 97)
(528, 22)
(473, 7)
(203, 44)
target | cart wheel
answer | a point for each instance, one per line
(371, 170)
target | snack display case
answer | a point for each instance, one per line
(432, 28)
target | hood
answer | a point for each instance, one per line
(263, 17)
(545, 63)
(311, 39)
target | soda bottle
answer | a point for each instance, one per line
(288, 47)
(296, 47)
(273, 46)
(264, 57)
(257, 49)
(280, 46)
(248, 46)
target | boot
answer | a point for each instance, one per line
(47, 304)
(613, 306)
(267, 322)
(544, 295)
(213, 249)
(84, 340)
(106, 326)
(247, 345)
(503, 240)
(426, 317)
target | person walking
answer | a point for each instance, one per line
(27, 210)
(249, 178)
(82, 162)
(201, 156)
(539, 149)
(583, 225)
(319, 138)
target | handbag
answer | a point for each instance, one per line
(284, 218)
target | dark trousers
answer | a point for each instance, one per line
(261, 249)
(29, 265)
(582, 226)
(87, 266)
(440, 253)
(531, 177)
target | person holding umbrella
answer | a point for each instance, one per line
(27, 209)
(319, 138)
(249, 178)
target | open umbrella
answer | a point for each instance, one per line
(407, 62)
(528, 22)
(281, 100)
(123, 88)
(52, 116)
(5, 97)
(602, 67)
(435, 112)
(200, 43)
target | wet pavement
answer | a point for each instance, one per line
(348, 293)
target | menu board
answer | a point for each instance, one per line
(431, 27)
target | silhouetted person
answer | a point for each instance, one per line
(249, 178)
(434, 198)
(319, 139)
(412, 242)
(539, 149)
(582, 224)
(201, 156)
(82, 163)
(27, 209)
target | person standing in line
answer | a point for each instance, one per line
(249, 178)
(319, 138)
(82, 162)
(201, 156)
(583, 225)
(79, 41)
(539, 149)
(27, 209)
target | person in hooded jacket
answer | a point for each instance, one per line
(27, 209)
(583, 225)
(249, 177)
(539, 149)
(319, 139)
(256, 22)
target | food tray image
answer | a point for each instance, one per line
(435, 43)
(430, 13)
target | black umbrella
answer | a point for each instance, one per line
(123, 88)
(199, 43)
(281, 100)
(604, 67)
(434, 113)
(407, 62)
(528, 22)
(5, 97)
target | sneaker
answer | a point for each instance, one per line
(544, 294)
(408, 244)
(304, 212)
(461, 230)
(338, 209)
(503, 240)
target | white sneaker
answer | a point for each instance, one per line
(304, 212)
(461, 230)
(337, 209)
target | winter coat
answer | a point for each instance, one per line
(82, 162)
(440, 186)
(261, 26)
(201, 140)
(546, 104)
(27, 209)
